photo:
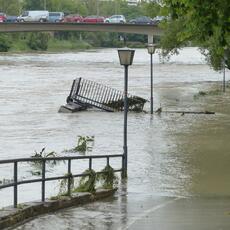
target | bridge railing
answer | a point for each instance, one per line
(43, 160)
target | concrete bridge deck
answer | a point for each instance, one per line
(150, 30)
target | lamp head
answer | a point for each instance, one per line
(151, 48)
(126, 56)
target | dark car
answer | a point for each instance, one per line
(73, 18)
(11, 19)
(56, 16)
(142, 20)
(94, 19)
(2, 17)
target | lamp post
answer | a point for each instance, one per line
(126, 58)
(151, 51)
(224, 61)
(224, 78)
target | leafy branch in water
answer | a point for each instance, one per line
(87, 182)
(37, 164)
(107, 177)
(135, 104)
(64, 184)
(84, 144)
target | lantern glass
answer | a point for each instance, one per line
(126, 56)
(151, 48)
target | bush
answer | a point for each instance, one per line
(38, 41)
(5, 43)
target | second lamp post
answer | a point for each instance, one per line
(126, 58)
(151, 51)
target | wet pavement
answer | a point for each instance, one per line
(178, 164)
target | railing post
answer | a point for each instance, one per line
(43, 179)
(107, 161)
(69, 177)
(15, 184)
(90, 163)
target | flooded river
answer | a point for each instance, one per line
(170, 155)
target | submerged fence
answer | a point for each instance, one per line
(15, 182)
(91, 94)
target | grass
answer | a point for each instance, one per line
(55, 45)
(19, 46)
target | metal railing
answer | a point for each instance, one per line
(92, 94)
(43, 178)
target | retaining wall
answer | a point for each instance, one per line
(10, 216)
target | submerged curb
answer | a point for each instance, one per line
(10, 216)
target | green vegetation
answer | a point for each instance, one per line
(204, 24)
(21, 206)
(64, 184)
(107, 177)
(5, 43)
(55, 45)
(37, 165)
(87, 183)
(135, 104)
(38, 41)
(84, 144)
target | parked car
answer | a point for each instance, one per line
(94, 19)
(158, 19)
(34, 16)
(142, 20)
(56, 16)
(2, 17)
(11, 19)
(73, 18)
(116, 19)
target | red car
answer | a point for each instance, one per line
(94, 19)
(2, 17)
(73, 18)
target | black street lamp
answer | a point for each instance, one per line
(151, 51)
(126, 58)
(224, 63)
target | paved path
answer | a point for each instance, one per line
(135, 211)
(181, 214)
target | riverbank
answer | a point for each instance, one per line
(64, 42)
(54, 45)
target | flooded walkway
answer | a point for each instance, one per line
(170, 156)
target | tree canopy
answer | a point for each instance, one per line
(205, 23)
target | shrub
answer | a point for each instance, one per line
(38, 41)
(5, 43)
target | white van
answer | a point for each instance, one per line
(34, 16)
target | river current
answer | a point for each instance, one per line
(169, 154)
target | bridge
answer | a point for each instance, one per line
(146, 29)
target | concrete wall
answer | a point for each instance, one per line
(10, 216)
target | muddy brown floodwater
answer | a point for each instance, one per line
(170, 155)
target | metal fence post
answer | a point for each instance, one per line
(69, 177)
(90, 163)
(15, 184)
(43, 179)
